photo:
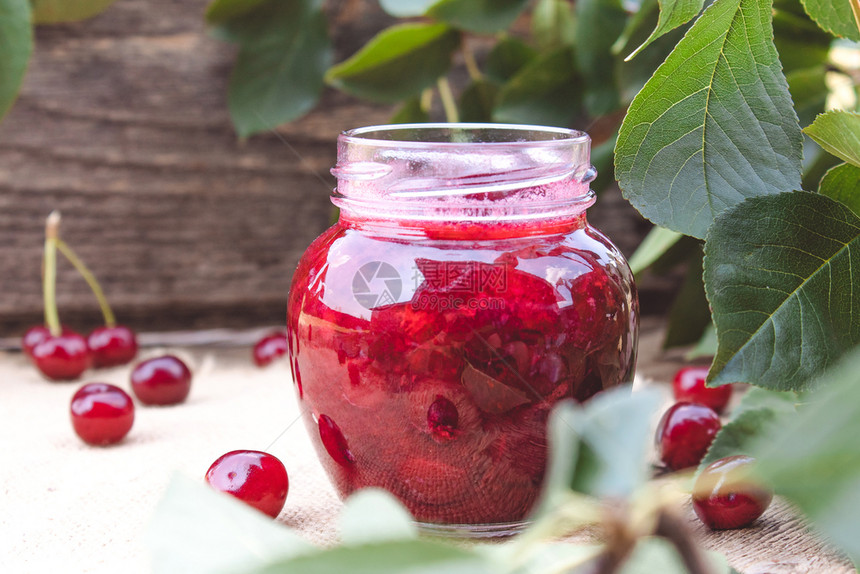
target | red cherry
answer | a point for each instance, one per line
(725, 496)
(112, 346)
(162, 380)
(102, 414)
(685, 433)
(334, 441)
(256, 478)
(689, 385)
(442, 418)
(269, 348)
(62, 358)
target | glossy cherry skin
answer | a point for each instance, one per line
(102, 414)
(256, 478)
(269, 348)
(685, 433)
(62, 358)
(689, 386)
(726, 496)
(164, 380)
(112, 346)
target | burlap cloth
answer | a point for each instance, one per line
(70, 507)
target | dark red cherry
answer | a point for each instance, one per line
(725, 495)
(102, 414)
(334, 441)
(685, 433)
(269, 348)
(442, 418)
(162, 380)
(256, 478)
(62, 358)
(112, 346)
(689, 386)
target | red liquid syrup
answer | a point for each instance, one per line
(443, 398)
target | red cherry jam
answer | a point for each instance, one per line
(451, 307)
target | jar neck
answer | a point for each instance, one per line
(477, 173)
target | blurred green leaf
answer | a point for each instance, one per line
(673, 13)
(835, 16)
(477, 101)
(814, 458)
(778, 274)
(838, 132)
(397, 63)
(553, 24)
(508, 56)
(652, 555)
(406, 8)
(842, 183)
(599, 23)
(655, 244)
(544, 92)
(602, 157)
(478, 16)
(372, 515)
(284, 52)
(222, 11)
(706, 346)
(800, 42)
(613, 435)
(196, 529)
(412, 112)
(714, 125)
(757, 398)
(392, 557)
(690, 314)
(58, 11)
(16, 45)
(809, 92)
(737, 434)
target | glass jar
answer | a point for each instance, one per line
(460, 295)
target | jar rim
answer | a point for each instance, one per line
(530, 135)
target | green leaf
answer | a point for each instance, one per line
(655, 244)
(779, 273)
(478, 16)
(714, 125)
(477, 101)
(814, 459)
(757, 398)
(842, 183)
(599, 23)
(16, 45)
(690, 314)
(553, 24)
(406, 8)
(58, 11)
(397, 63)
(839, 133)
(222, 11)
(392, 557)
(373, 515)
(278, 75)
(737, 434)
(507, 58)
(412, 112)
(654, 554)
(800, 42)
(809, 92)
(196, 529)
(673, 13)
(613, 434)
(545, 92)
(706, 346)
(835, 16)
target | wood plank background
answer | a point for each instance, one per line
(122, 125)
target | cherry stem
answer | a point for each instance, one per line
(110, 318)
(49, 277)
(448, 103)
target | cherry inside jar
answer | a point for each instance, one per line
(460, 296)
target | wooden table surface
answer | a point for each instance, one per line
(778, 543)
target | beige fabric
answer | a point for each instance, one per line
(70, 507)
